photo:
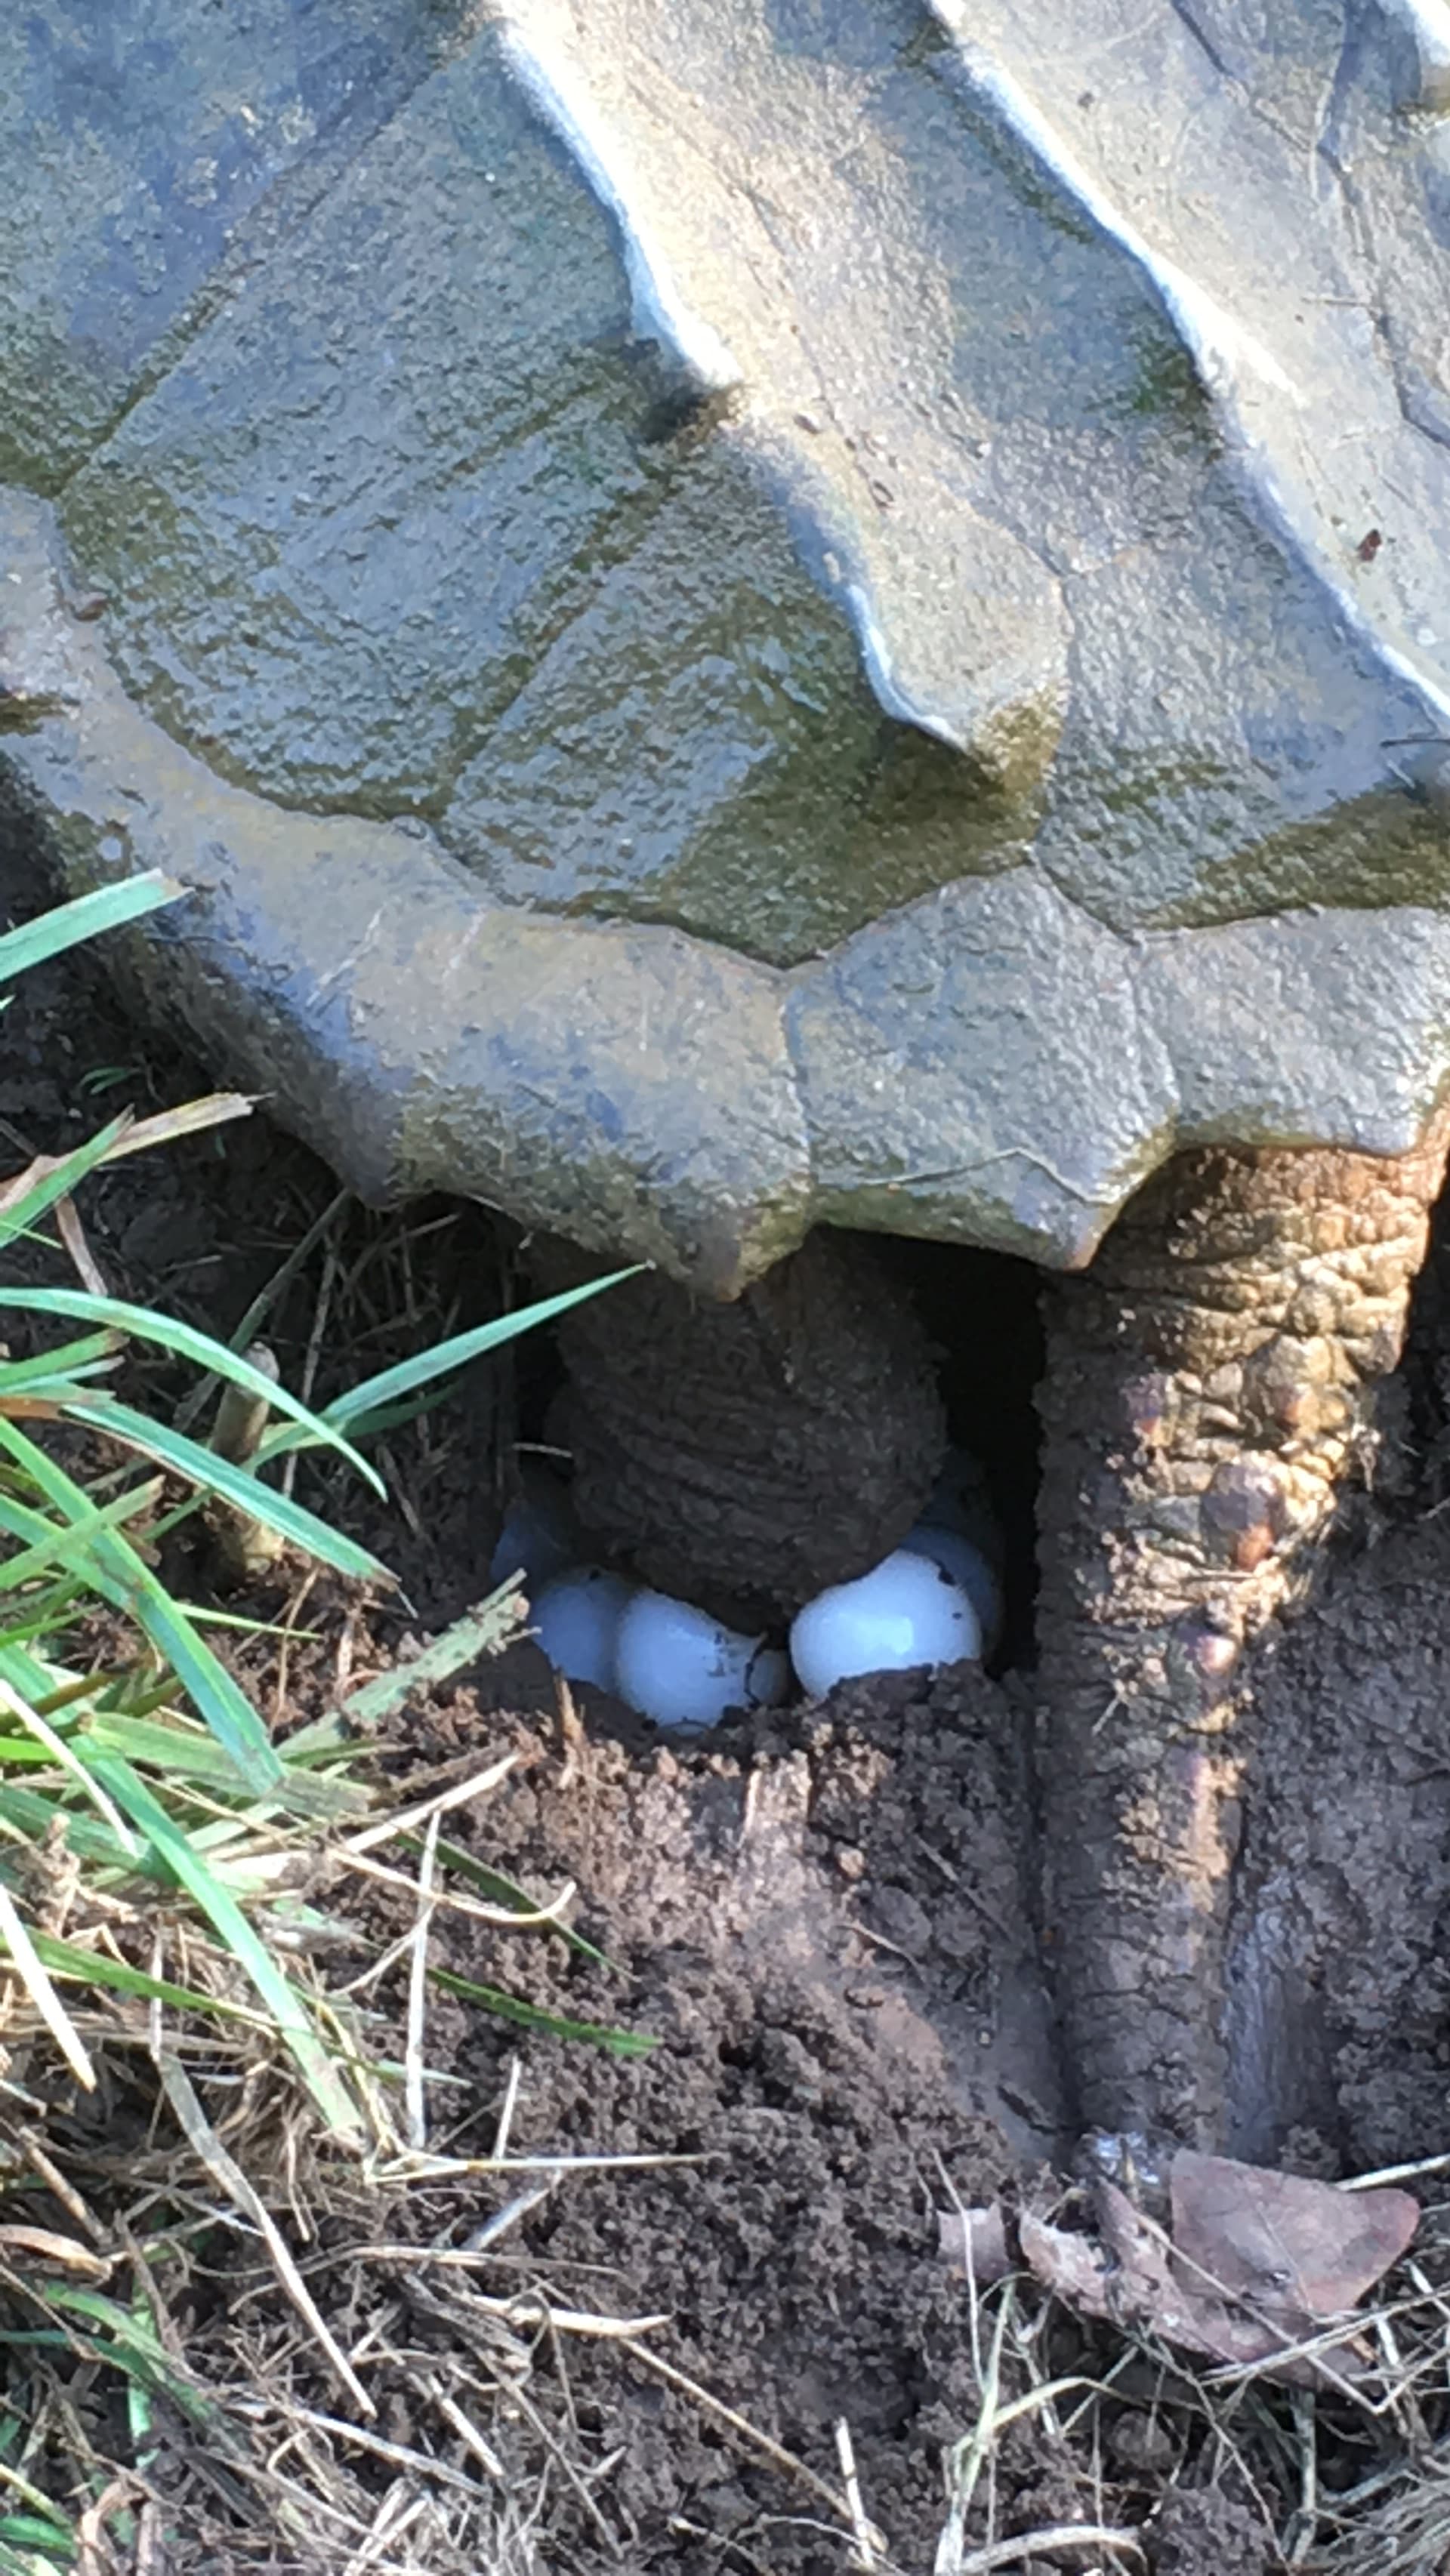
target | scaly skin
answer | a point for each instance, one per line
(745, 1456)
(1210, 1384)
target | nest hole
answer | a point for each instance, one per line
(983, 1311)
(981, 1315)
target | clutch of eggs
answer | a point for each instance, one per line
(935, 1600)
(682, 1668)
(665, 1658)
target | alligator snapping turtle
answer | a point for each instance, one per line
(796, 614)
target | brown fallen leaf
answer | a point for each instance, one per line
(974, 2241)
(43, 2245)
(1257, 2264)
(1190, 2313)
(1125, 2274)
(1281, 2242)
(1076, 2266)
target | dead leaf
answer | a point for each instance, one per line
(1133, 2274)
(192, 1118)
(1068, 2262)
(1125, 2274)
(1284, 2244)
(45, 2246)
(974, 2241)
(135, 1136)
(72, 1235)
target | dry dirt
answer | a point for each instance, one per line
(824, 1919)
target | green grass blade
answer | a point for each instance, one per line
(145, 1811)
(121, 1578)
(620, 2043)
(388, 1417)
(186, 1753)
(76, 1360)
(184, 1342)
(132, 2345)
(484, 1631)
(22, 1217)
(42, 2511)
(33, 1813)
(227, 1710)
(501, 1890)
(68, 1962)
(21, 2535)
(409, 1375)
(70, 1544)
(67, 924)
(206, 1615)
(26, 1673)
(213, 1474)
(45, 1618)
(64, 1754)
(178, 1752)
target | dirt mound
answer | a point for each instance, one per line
(827, 1937)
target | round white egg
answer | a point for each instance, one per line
(966, 1565)
(540, 1535)
(905, 1612)
(577, 1621)
(680, 1667)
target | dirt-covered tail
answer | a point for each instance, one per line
(1210, 1384)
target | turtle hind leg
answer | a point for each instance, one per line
(1209, 1387)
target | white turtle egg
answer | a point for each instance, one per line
(968, 1566)
(905, 1612)
(540, 1535)
(682, 1668)
(576, 1619)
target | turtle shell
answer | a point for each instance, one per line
(752, 614)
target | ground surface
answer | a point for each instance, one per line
(824, 1920)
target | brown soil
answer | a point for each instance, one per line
(811, 1976)
(1342, 1973)
(825, 1921)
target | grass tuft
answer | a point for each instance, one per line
(168, 1883)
